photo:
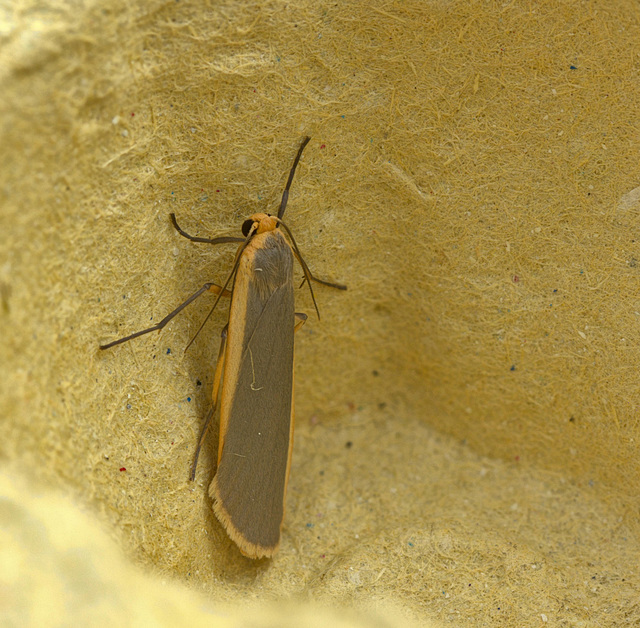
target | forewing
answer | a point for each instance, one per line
(251, 478)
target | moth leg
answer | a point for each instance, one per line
(216, 389)
(338, 286)
(207, 287)
(302, 319)
(218, 240)
(216, 289)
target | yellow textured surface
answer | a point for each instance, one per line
(473, 177)
(59, 569)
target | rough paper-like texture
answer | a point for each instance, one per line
(59, 569)
(466, 441)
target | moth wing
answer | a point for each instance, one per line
(249, 486)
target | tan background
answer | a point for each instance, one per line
(473, 177)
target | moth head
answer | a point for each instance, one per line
(259, 223)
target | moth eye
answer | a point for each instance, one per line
(246, 227)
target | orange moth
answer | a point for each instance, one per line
(253, 380)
